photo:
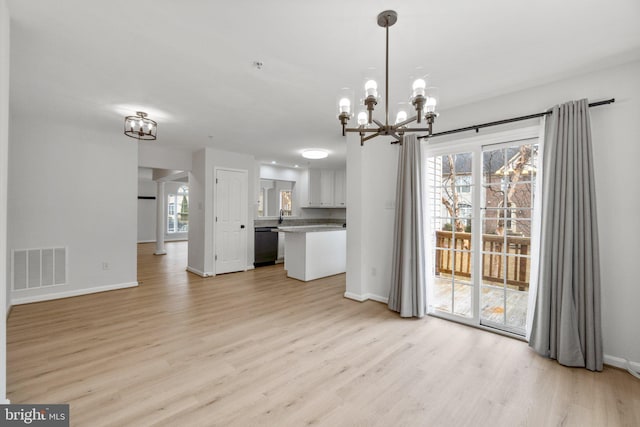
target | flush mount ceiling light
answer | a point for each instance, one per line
(314, 154)
(424, 100)
(140, 127)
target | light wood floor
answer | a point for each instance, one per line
(257, 348)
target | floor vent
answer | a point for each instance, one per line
(37, 268)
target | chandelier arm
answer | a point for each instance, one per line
(362, 130)
(406, 122)
(396, 136)
(378, 123)
(366, 138)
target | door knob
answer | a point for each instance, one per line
(242, 226)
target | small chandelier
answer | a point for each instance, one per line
(424, 100)
(140, 127)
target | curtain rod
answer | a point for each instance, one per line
(502, 122)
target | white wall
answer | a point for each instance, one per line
(152, 155)
(201, 199)
(616, 153)
(5, 299)
(371, 189)
(202, 194)
(63, 192)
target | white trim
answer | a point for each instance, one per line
(477, 145)
(250, 267)
(620, 362)
(72, 293)
(356, 297)
(160, 253)
(198, 272)
(365, 297)
(179, 239)
(459, 145)
(378, 298)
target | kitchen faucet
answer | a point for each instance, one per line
(281, 219)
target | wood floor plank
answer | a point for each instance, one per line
(258, 348)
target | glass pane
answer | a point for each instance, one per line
(492, 303)
(443, 265)
(443, 239)
(463, 265)
(520, 228)
(441, 224)
(519, 195)
(493, 239)
(442, 291)
(492, 162)
(516, 308)
(462, 301)
(493, 268)
(517, 270)
(493, 196)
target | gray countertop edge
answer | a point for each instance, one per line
(309, 229)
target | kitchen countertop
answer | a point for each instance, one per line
(310, 228)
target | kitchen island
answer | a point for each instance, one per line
(314, 251)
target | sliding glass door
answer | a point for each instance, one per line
(480, 209)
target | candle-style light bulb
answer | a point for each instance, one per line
(401, 116)
(345, 105)
(371, 88)
(362, 118)
(419, 86)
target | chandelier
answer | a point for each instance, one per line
(423, 99)
(140, 127)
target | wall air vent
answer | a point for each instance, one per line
(37, 268)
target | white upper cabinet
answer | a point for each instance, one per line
(327, 179)
(315, 188)
(340, 188)
(327, 188)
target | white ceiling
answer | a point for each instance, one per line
(188, 63)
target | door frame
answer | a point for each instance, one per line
(474, 144)
(245, 215)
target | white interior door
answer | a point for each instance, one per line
(231, 220)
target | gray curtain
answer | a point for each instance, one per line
(408, 287)
(566, 321)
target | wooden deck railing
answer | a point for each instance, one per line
(493, 253)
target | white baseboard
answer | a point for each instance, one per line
(198, 272)
(365, 297)
(378, 298)
(250, 267)
(355, 297)
(621, 363)
(177, 239)
(71, 293)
